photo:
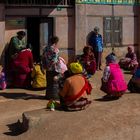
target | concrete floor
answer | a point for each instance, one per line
(103, 120)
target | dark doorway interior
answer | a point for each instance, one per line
(39, 30)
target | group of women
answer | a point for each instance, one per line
(20, 70)
(68, 84)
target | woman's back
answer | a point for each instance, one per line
(116, 81)
(39, 77)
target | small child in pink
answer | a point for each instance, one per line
(113, 82)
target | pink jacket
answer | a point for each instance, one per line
(116, 82)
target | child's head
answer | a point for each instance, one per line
(130, 49)
(38, 60)
(87, 50)
(111, 58)
(54, 40)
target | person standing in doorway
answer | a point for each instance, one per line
(97, 44)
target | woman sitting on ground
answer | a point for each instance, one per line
(73, 96)
(87, 60)
(134, 83)
(130, 61)
(113, 82)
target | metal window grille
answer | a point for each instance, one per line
(112, 31)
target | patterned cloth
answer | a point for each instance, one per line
(80, 104)
(129, 62)
(53, 65)
(16, 45)
(51, 59)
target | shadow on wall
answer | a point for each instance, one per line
(88, 38)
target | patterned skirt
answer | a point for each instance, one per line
(77, 105)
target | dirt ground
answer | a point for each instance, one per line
(102, 120)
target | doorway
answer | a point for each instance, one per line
(39, 30)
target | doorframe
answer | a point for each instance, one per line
(49, 20)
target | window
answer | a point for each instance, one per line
(112, 31)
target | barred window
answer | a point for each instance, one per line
(112, 31)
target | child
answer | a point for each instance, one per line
(113, 82)
(88, 61)
(3, 83)
(38, 75)
(134, 83)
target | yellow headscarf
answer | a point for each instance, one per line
(76, 68)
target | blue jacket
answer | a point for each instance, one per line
(96, 42)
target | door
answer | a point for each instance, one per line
(39, 30)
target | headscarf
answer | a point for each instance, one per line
(76, 68)
(111, 58)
